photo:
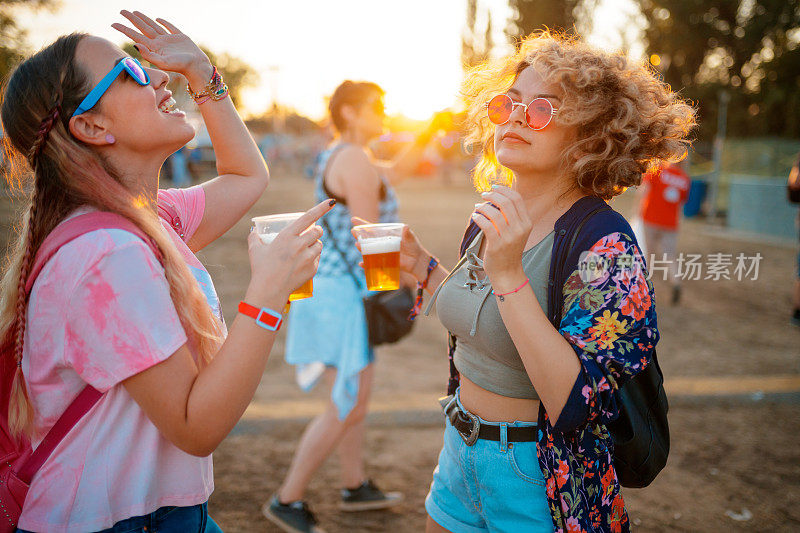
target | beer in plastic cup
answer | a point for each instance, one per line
(268, 228)
(380, 248)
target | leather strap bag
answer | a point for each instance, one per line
(387, 312)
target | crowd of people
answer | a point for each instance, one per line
(121, 373)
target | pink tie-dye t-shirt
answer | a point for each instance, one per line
(99, 313)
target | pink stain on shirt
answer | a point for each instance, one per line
(100, 297)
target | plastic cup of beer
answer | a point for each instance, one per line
(380, 248)
(268, 228)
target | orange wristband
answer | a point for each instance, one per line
(264, 317)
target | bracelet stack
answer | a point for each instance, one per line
(215, 89)
(432, 264)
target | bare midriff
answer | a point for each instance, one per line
(493, 407)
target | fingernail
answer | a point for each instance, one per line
(494, 186)
(332, 202)
(484, 194)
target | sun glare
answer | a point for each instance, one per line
(411, 105)
(302, 51)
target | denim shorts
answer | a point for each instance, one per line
(167, 520)
(489, 486)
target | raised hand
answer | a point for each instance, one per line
(167, 48)
(506, 227)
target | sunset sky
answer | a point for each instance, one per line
(302, 50)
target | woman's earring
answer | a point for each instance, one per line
(110, 138)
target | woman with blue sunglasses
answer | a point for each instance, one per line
(143, 328)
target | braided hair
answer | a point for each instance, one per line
(30, 137)
(44, 131)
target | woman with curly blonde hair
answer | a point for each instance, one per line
(563, 127)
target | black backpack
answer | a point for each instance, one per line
(641, 431)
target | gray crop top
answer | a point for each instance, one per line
(485, 353)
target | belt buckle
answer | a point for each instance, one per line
(475, 428)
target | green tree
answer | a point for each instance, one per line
(476, 46)
(748, 48)
(291, 120)
(13, 39)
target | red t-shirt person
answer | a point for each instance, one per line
(667, 190)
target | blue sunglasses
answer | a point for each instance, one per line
(129, 65)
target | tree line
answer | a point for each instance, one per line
(747, 49)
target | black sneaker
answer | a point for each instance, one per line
(368, 497)
(294, 517)
(796, 317)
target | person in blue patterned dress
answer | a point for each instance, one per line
(328, 333)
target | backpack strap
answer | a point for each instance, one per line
(469, 234)
(88, 397)
(350, 268)
(74, 228)
(81, 405)
(558, 265)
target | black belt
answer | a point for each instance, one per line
(470, 428)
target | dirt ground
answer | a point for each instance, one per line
(733, 455)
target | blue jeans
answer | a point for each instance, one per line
(489, 486)
(167, 520)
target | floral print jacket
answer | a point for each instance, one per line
(609, 319)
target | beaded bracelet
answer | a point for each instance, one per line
(432, 264)
(215, 89)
